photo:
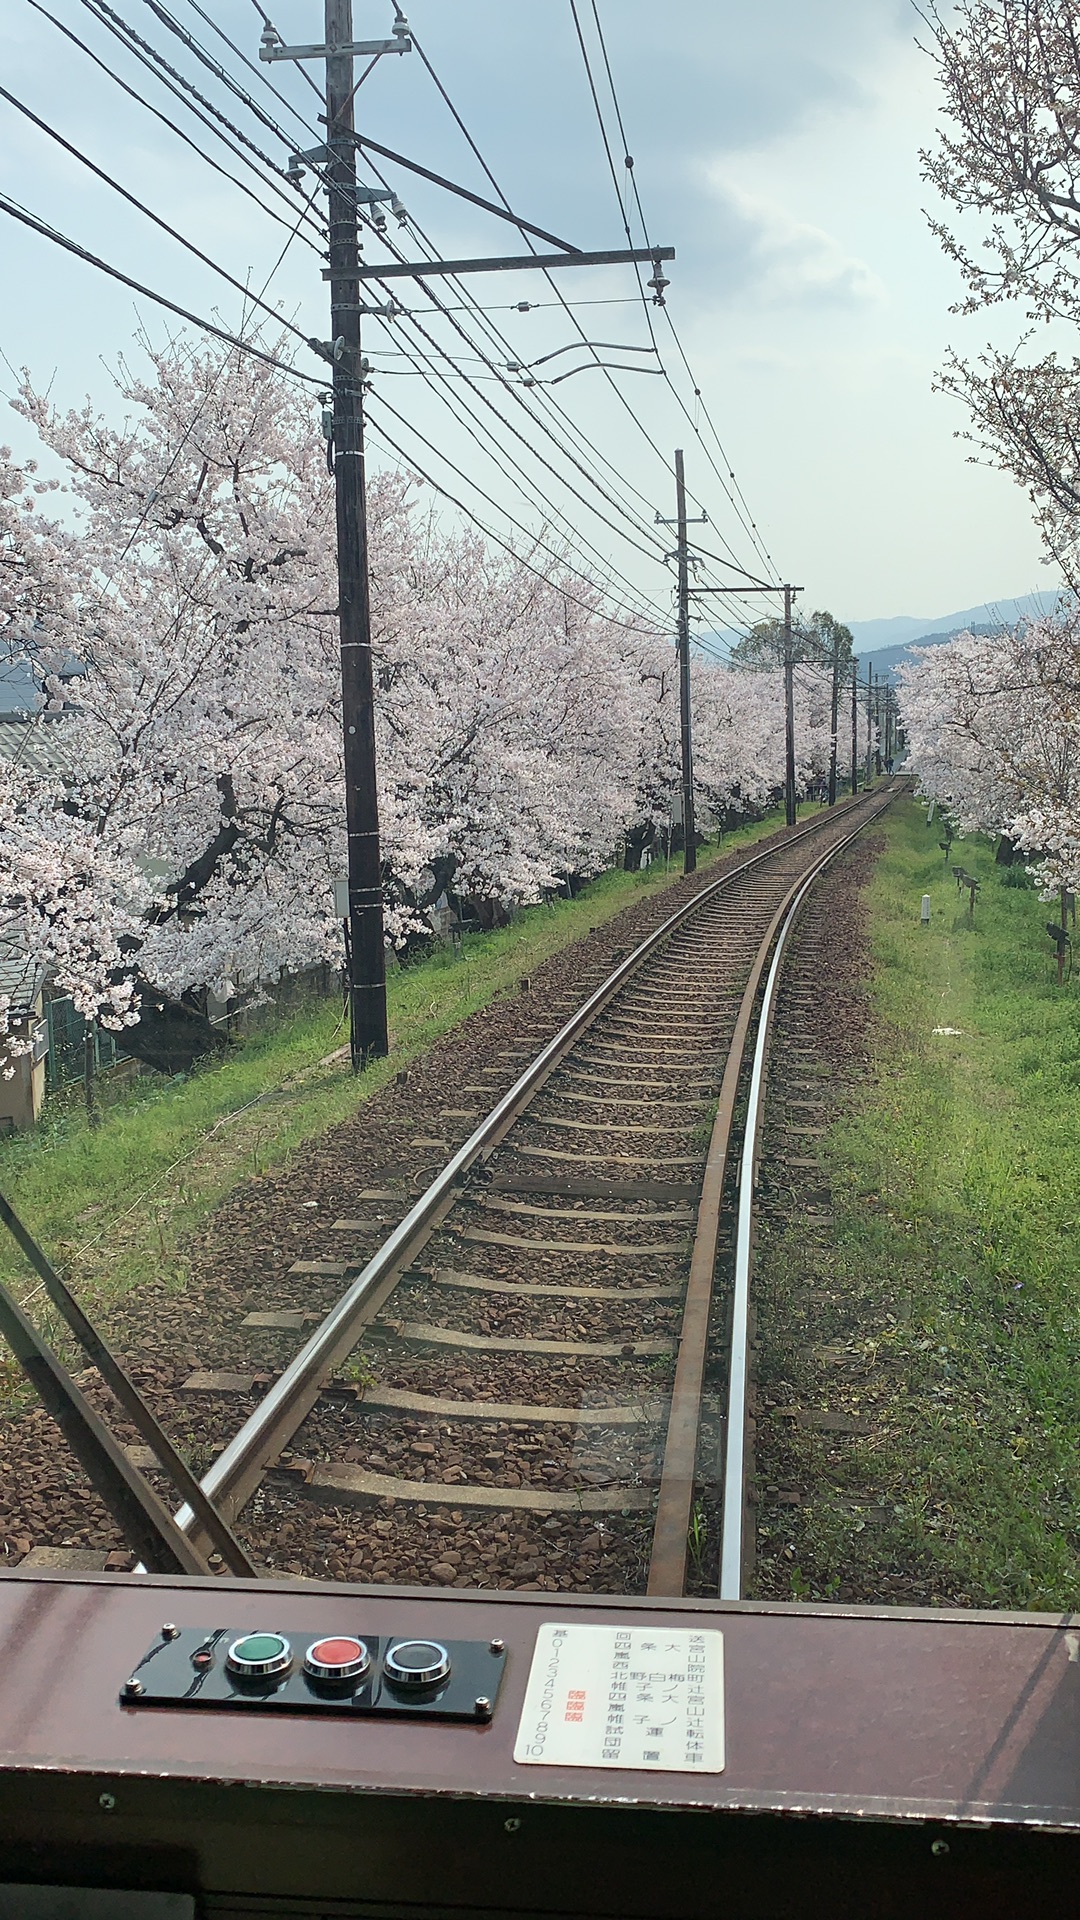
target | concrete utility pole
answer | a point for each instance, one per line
(367, 961)
(347, 274)
(854, 726)
(689, 827)
(682, 653)
(789, 711)
(835, 718)
(365, 955)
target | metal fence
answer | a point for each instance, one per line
(66, 1058)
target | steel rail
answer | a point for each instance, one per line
(678, 1475)
(127, 1496)
(734, 1486)
(145, 1522)
(238, 1470)
(732, 1550)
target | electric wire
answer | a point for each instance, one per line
(748, 520)
(117, 19)
(744, 516)
(551, 282)
(182, 90)
(213, 66)
(605, 562)
(39, 226)
(134, 94)
(166, 227)
(489, 534)
(188, 431)
(588, 578)
(514, 389)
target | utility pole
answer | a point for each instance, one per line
(869, 723)
(789, 711)
(367, 958)
(854, 727)
(835, 717)
(689, 829)
(682, 650)
(365, 953)
(347, 273)
(789, 678)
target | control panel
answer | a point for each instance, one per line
(289, 1671)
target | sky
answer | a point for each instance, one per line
(775, 147)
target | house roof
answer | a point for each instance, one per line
(43, 742)
(21, 978)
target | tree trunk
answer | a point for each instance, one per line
(168, 1035)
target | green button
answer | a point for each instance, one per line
(259, 1646)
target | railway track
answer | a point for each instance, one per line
(540, 1331)
(538, 1375)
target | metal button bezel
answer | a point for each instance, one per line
(337, 1670)
(259, 1669)
(430, 1675)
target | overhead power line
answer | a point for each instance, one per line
(563, 591)
(134, 94)
(28, 219)
(134, 201)
(736, 500)
(204, 111)
(470, 302)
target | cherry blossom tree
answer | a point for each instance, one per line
(188, 838)
(1007, 162)
(993, 725)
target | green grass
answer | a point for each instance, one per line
(115, 1204)
(958, 1183)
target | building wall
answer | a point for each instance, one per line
(21, 1096)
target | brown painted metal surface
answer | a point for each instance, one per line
(932, 1761)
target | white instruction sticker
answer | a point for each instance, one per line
(645, 1698)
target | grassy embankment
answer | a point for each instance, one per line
(958, 1178)
(116, 1203)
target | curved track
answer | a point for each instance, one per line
(566, 1294)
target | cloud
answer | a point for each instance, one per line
(782, 261)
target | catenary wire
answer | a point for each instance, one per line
(444, 493)
(458, 401)
(214, 67)
(743, 515)
(551, 282)
(216, 122)
(244, 290)
(588, 579)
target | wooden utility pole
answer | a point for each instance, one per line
(854, 726)
(689, 828)
(367, 959)
(789, 711)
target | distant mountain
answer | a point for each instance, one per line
(883, 644)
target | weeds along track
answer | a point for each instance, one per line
(511, 1390)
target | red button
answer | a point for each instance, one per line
(335, 1653)
(339, 1657)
